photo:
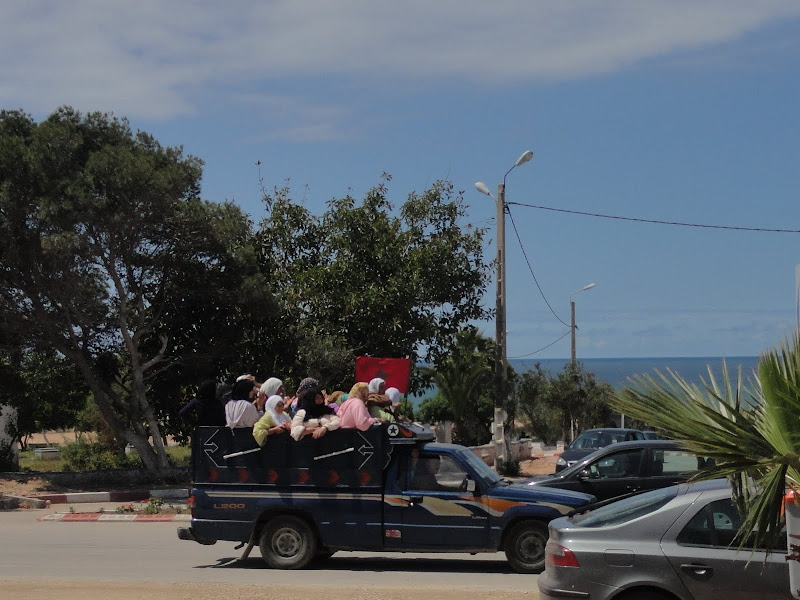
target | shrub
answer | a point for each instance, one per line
(510, 468)
(94, 456)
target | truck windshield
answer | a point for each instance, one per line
(481, 468)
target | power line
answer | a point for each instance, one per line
(530, 268)
(540, 349)
(678, 223)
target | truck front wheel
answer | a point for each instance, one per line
(287, 543)
(525, 547)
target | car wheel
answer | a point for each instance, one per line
(525, 547)
(287, 543)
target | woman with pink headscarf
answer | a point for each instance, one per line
(353, 413)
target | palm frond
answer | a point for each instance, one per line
(751, 430)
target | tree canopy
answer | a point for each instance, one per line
(113, 267)
(364, 279)
(100, 226)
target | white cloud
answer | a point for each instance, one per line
(159, 59)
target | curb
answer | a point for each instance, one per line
(121, 496)
(111, 517)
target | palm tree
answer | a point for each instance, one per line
(461, 377)
(751, 430)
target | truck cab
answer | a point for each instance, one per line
(388, 489)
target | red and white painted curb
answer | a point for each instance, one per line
(139, 518)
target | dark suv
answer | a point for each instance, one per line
(626, 467)
(594, 439)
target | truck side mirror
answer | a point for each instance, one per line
(470, 486)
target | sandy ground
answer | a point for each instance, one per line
(131, 590)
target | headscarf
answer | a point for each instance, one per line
(306, 384)
(271, 386)
(361, 390)
(335, 397)
(269, 407)
(393, 393)
(307, 402)
(375, 385)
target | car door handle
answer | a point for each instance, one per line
(415, 500)
(703, 571)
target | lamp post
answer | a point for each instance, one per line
(573, 327)
(501, 369)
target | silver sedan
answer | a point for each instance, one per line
(672, 543)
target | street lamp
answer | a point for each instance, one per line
(501, 370)
(573, 327)
(572, 311)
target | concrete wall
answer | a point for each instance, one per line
(7, 416)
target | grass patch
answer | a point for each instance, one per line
(180, 456)
(28, 461)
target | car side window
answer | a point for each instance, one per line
(715, 525)
(617, 465)
(434, 474)
(673, 462)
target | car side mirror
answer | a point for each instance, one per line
(584, 475)
(470, 486)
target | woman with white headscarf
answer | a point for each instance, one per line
(274, 421)
(377, 386)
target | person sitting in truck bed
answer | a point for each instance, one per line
(274, 421)
(271, 387)
(312, 415)
(353, 412)
(240, 410)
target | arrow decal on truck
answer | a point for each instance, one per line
(212, 448)
(365, 450)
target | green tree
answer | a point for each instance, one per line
(749, 429)
(532, 409)
(463, 377)
(549, 405)
(46, 390)
(368, 281)
(100, 227)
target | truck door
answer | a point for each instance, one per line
(435, 509)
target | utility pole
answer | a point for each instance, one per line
(501, 362)
(501, 370)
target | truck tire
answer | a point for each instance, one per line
(287, 543)
(525, 546)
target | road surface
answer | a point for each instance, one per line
(110, 560)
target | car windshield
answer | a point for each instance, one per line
(589, 440)
(626, 510)
(481, 468)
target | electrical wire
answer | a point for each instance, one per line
(677, 223)
(540, 349)
(530, 268)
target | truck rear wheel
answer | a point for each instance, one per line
(287, 543)
(525, 547)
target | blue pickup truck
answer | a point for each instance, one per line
(388, 489)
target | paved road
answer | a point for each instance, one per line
(152, 552)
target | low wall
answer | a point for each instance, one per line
(110, 479)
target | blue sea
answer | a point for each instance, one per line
(616, 371)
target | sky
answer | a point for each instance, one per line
(665, 110)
